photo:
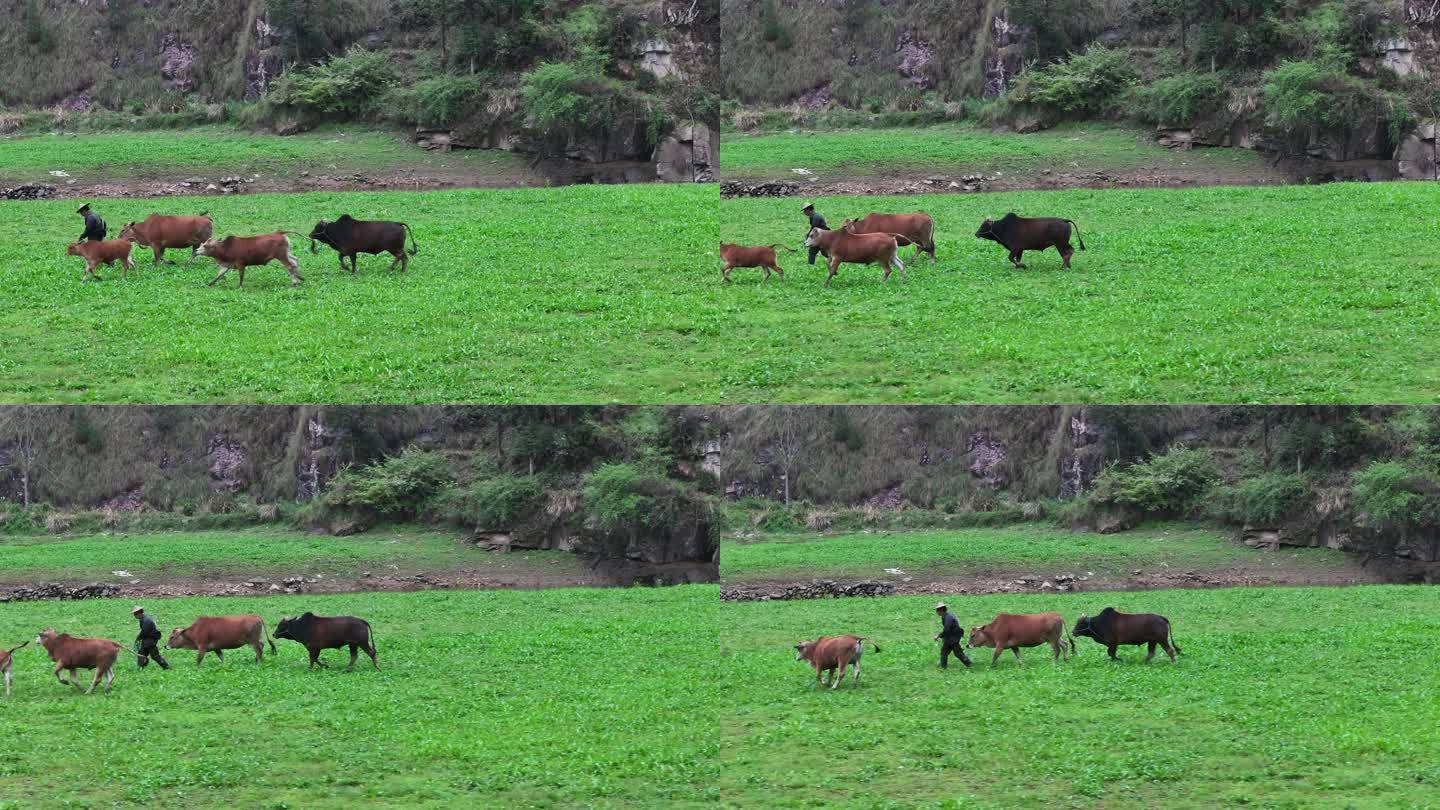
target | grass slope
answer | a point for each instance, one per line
(529, 699)
(958, 148)
(984, 551)
(1308, 294)
(1282, 698)
(585, 293)
(151, 557)
(94, 157)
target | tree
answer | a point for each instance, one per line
(1182, 13)
(789, 442)
(442, 14)
(20, 429)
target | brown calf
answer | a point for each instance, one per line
(829, 652)
(5, 662)
(71, 653)
(160, 232)
(855, 248)
(1011, 631)
(918, 228)
(219, 633)
(106, 253)
(239, 252)
(750, 256)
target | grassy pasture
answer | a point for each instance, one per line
(154, 557)
(94, 157)
(584, 293)
(555, 698)
(958, 148)
(1258, 294)
(989, 551)
(1290, 697)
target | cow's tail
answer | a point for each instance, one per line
(370, 631)
(13, 649)
(1077, 233)
(302, 236)
(1170, 630)
(781, 245)
(1069, 638)
(414, 248)
(901, 240)
(929, 245)
(203, 214)
(266, 630)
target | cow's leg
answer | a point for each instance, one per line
(7, 682)
(904, 276)
(886, 264)
(294, 268)
(1111, 649)
(259, 650)
(354, 653)
(995, 659)
(241, 271)
(99, 672)
(1169, 650)
(109, 677)
(931, 251)
(58, 669)
(1151, 653)
(1015, 258)
(369, 649)
(194, 249)
(223, 270)
(777, 269)
(838, 678)
(725, 273)
(404, 260)
(199, 656)
(1016, 651)
(834, 268)
(1065, 253)
(90, 270)
(315, 659)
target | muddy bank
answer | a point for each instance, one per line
(1061, 582)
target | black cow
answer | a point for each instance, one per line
(1018, 234)
(1113, 628)
(328, 633)
(350, 236)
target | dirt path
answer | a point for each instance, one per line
(970, 182)
(1032, 581)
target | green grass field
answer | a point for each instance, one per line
(94, 157)
(1308, 294)
(957, 148)
(578, 294)
(1293, 697)
(557, 698)
(996, 551)
(152, 557)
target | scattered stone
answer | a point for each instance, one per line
(817, 590)
(777, 189)
(34, 191)
(54, 590)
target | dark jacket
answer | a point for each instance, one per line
(148, 630)
(950, 626)
(817, 221)
(94, 231)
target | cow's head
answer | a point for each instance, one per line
(46, 637)
(803, 649)
(293, 628)
(128, 232)
(211, 246)
(987, 231)
(318, 234)
(812, 239)
(282, 630)
(73, 249)
(980, 637)
(1084, 628)
(848, 226)
(180, 640)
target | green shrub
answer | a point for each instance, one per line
(1170, 484)
(560, 99)
(1181, 99)
(492, 503)
(1087, 85)
(399, 486)
(1301, 96)
(1392, 495)
(1263, 500)
(348, 86)
(438, 101)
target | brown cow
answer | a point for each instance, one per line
(828, 652)
(750, 256)
(1113, 628)
(858, 248)
(219, 633)
(106, 253)
(1018, 234)
(239, 252)
(6, 661)
(918, 228)
(160, 232)
(71, 653)
(1011, 631)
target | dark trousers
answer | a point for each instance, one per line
(952, 645)
(813, 252)
(148, 649)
